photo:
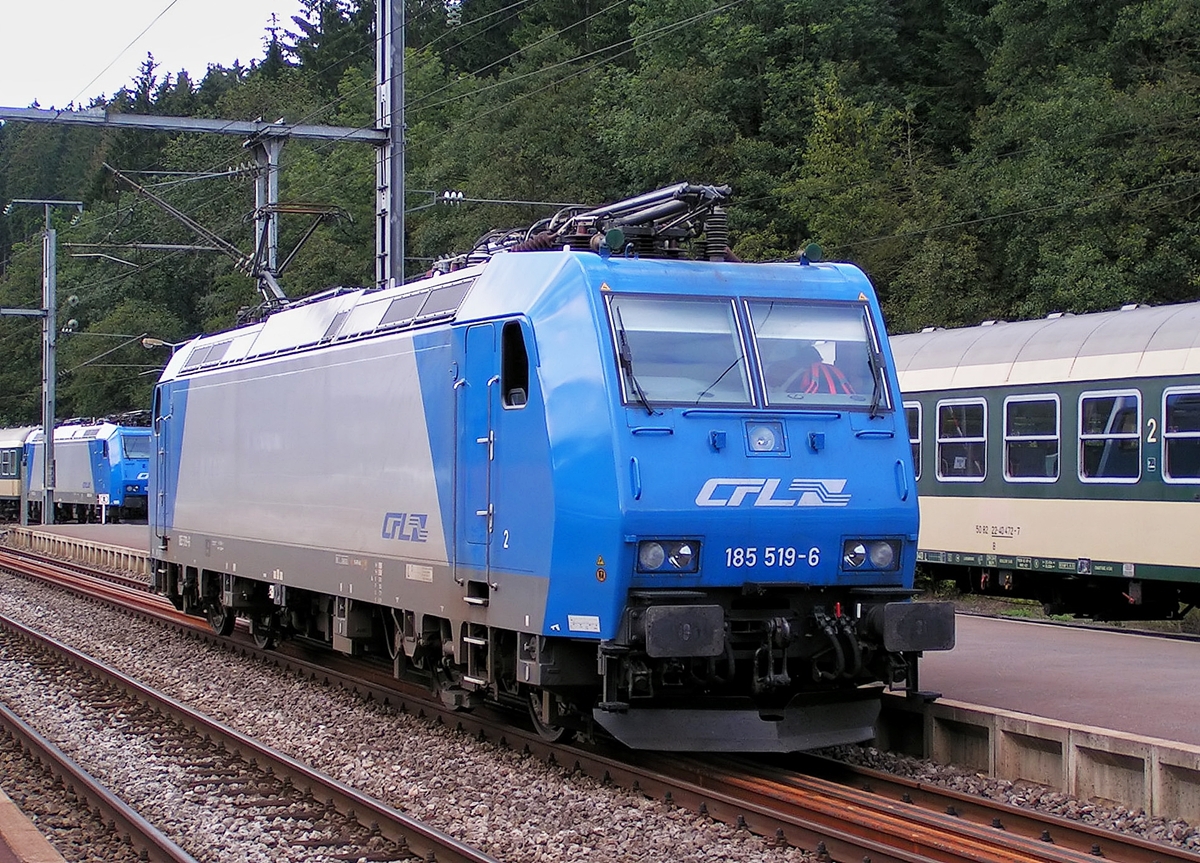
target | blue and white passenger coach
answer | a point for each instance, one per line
(573, 472)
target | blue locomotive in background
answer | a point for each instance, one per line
(101, 471)
(571, 471)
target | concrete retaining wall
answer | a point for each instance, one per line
(90, 552)
(1109, 767)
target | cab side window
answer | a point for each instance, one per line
(514, 366)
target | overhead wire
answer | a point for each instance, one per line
(342, 97)
(1045, 208)
(121, 53)
(125, 275)
(217, 197)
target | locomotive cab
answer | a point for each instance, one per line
(769, 518)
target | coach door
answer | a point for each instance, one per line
(476, 448)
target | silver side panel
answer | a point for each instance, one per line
(72, 472)
(315, 450)
(396, 583)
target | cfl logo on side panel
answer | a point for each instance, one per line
(406, 526)
(734, 491)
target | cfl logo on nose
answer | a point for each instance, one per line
(727, 491)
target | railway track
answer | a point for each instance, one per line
(837, 812)
(92, 794)
(824, 790)
(200, 766)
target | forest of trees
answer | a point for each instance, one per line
(978, 158)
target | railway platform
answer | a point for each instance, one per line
(20, 839)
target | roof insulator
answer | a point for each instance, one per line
(1129, 307)
(991, 323)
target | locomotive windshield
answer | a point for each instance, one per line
(679, 351)
(136, 447)
(691, 351)
(817, 355)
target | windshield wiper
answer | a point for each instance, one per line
(875, 360)
(625, 357)
(708, 389)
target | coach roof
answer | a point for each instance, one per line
(1139, 341)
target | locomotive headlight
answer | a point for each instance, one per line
(650, 556)
(682, 555)
(668, 556)
(762, 439)
(870, 554)
(883, 555)
(765, 437)
(854, 554)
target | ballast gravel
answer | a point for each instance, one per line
(1026, 795)
(79, 835)
(508, 804)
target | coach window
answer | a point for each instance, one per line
(1110, 442)
(1181, 435)
(1031, 438)
(962, 440)
(6, 463)
(912, 415)
(514, 366)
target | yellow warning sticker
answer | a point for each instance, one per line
(599, 560)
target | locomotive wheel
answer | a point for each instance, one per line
(264, 631)
(549, 733)
(220, 618)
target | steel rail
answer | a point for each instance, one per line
(1063, 832)
(139, 584)
(140, 833)
(989, 829)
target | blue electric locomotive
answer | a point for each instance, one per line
(101, 471)
(570, 471)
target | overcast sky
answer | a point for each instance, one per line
(57, 51)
